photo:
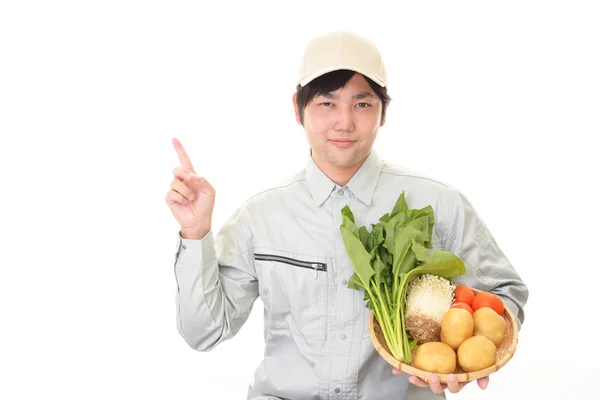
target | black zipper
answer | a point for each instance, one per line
(316, 266)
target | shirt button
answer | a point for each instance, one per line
(344, 282)
(184, 247)
(337, 390)
(343, 336)
(341, 192)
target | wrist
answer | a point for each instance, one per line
(195, 233)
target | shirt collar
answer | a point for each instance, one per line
(319, 184)
(362, 184)
(365, 180)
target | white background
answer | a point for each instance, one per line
(499, 99)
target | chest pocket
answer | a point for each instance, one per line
(296, 289)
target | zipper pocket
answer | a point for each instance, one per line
(316, 266)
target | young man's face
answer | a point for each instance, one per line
(342, 125)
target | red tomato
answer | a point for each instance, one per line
(464, 294)
(486, 299)
(462, 305)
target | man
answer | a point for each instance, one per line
(284, 244)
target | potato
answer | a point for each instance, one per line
(457, 325)
(476, 353)
(488, 323)
(435, 357)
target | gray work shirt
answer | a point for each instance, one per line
(284, 245)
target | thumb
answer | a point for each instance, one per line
(200, 183)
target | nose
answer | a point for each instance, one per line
(344, 120)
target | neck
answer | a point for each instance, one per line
(339, 175)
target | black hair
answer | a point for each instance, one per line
(330, 82)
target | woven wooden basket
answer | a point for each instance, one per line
(503, 354)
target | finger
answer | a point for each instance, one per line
(453, 385)
(483, 382)
(435, 384)
(397, 371)
(418, 382)
(181, 187)
(183, 157)
(183, 174)
(173, 197)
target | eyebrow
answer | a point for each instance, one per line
(359, 96)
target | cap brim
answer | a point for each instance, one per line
(304, 81)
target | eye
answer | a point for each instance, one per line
(363, 105)
(326, 104)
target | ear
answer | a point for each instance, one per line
(296, 110)
(384, 115)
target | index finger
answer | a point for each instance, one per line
(183, 157)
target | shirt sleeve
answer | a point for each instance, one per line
(488, 268)
(216, 284)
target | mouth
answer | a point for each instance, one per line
(342, 142)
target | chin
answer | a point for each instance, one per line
(342, 161)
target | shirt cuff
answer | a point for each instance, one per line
(194, 251)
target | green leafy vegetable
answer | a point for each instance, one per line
(389, 256)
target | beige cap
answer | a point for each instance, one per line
(341, 50)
